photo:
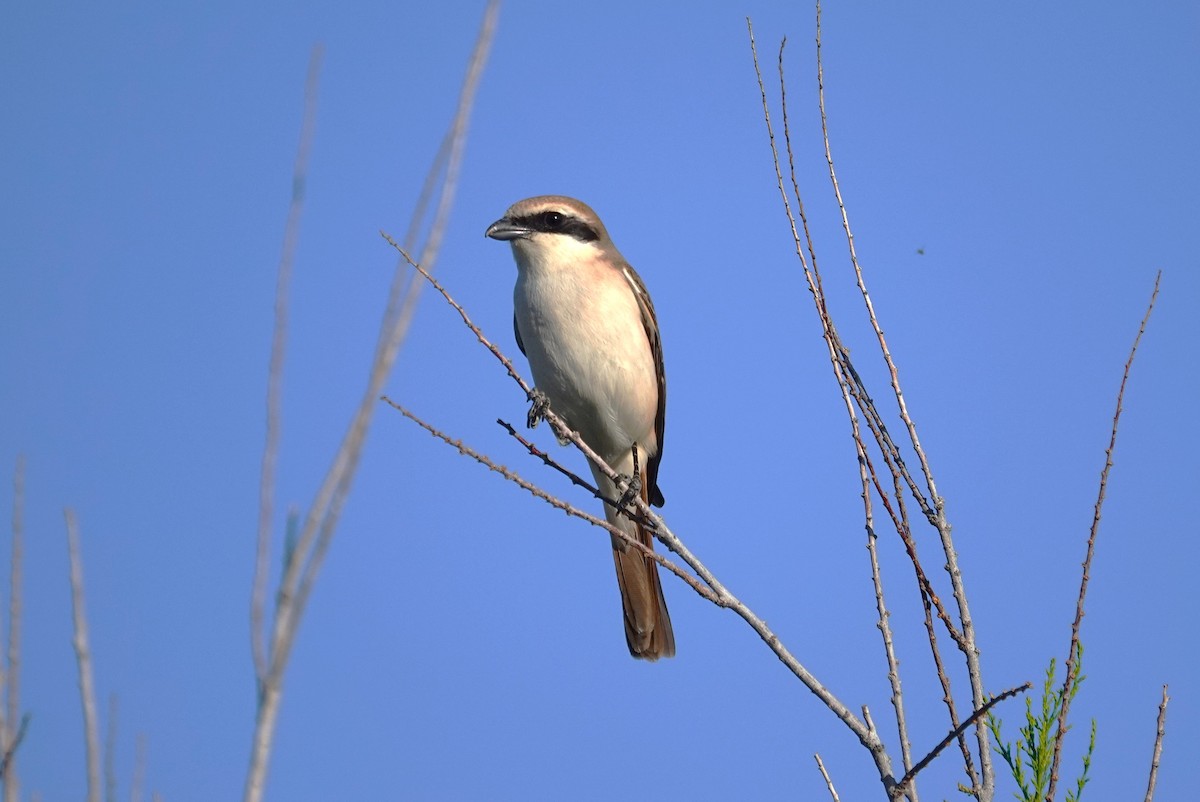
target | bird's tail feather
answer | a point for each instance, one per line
(648, 629)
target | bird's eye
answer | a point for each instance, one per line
(554, 220)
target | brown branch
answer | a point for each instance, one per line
(956, 733)
(83, 657)
(1158, 744)
(1073, 648)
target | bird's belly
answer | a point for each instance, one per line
(591, 358)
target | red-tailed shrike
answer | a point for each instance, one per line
(585, 321)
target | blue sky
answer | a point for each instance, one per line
(1015, 177)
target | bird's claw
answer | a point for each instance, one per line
(632, 489)
(539, 404)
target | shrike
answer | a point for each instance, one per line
(585, 321)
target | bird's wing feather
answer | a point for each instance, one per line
(650, 324)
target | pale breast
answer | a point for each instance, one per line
(588, 351)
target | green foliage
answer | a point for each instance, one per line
(1029, 759)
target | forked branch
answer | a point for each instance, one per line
(305, 553)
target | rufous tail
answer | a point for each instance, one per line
(647, 625)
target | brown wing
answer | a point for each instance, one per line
(650, 324)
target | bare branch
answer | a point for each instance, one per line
(9, 735)
(965, 641)
(110, 751)
(83, 657)
(1073, 648)
(266, 492)
(1158, 744)
(828, 782)
(554, 501)
(10, 751)
(139, 769)
(306, 557)
(835, 350)
(864, 461)
(577, 480)
(326, 511)
(496, 352)
(958, 732)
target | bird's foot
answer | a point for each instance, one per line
(539, 403)
(632, 489)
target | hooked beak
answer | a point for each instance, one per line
(505, 229)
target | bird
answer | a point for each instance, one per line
(585, 322)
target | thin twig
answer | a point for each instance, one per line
(110, 752)
(554, 501)
(287, 258)
(958, 732)
(828, 782)
(397, 318)
(83, 656)
(139, 769)
(534, 451)
(1073, 648)
(983, 784)
(891, 365)
(12, 676)
(316, 534)
(10, 751)
(1158, 744)
(479, 335)
(868, 736)
(864, 461)
(451, 154)
(577, 480)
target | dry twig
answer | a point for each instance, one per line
(1073, 648)
(1158, 744)
(139, 770)
(305, 555)
(934, 508)
(552, 500)
(10, 735)
(958, 731)
(828, 782)
(10, 751)
(291, 237)
(83, 656)
(110, 752)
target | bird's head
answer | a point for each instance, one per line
(551, 227)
